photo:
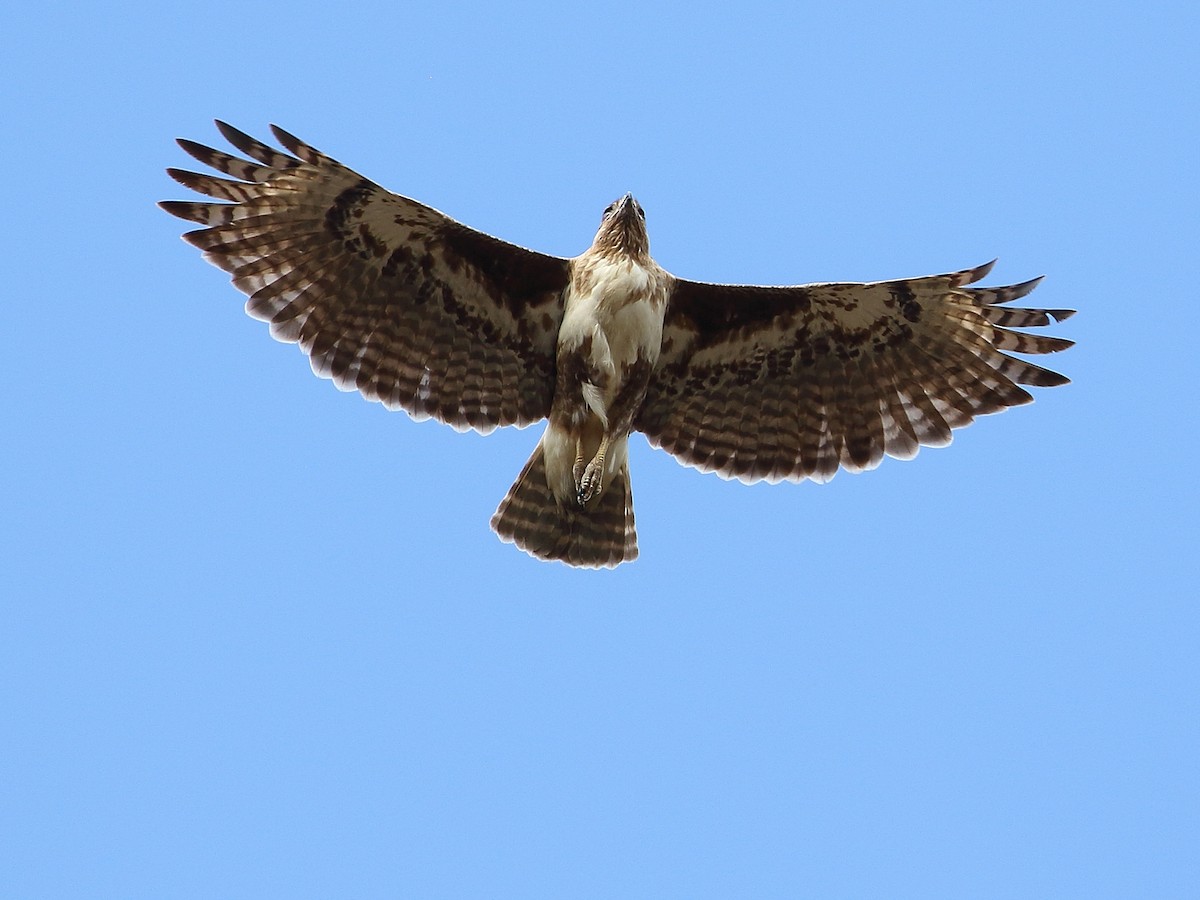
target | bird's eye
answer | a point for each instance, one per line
(641, 213)
(608, 212)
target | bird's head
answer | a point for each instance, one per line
(623, 229)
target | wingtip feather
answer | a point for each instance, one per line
(184, 209)
(235, 136)
(980, 272)
(194, 148)
(293, 144)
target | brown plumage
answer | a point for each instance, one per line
(393, 299)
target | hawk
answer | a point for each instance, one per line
(416, 311)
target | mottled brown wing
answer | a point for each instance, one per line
(794, 382)
(386, 296)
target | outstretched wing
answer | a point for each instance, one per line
(792, 382)
(387, 296)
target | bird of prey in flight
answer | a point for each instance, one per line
(396, 300)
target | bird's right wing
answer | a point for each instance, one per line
(387, 296)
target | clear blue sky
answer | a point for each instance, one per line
(256, 639)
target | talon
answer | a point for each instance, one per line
(591, 482)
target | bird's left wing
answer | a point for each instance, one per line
(794, 382)
(387, 296)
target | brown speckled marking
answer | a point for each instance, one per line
(568, 410)
(905, 299)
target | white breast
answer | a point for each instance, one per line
(621, 306)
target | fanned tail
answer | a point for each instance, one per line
(600, 536)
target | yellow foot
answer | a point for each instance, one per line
(591, 483)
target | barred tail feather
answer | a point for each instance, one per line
(600, 536)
